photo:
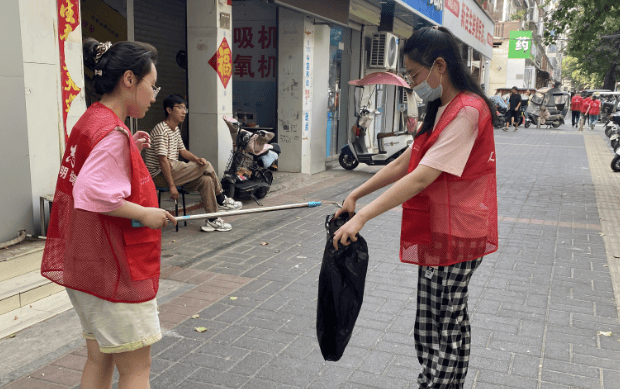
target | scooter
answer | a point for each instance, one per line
(615, 136)
(247, 172)
(390, 144)
(546, 117)
(612, 124)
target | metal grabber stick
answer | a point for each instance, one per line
(310, 204)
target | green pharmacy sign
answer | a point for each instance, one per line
(519, 44)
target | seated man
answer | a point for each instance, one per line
(162, 160)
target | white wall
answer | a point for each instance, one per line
(290, 88)
(207, 97)
(515, 72)
(38, 22)
(15, 204)
(321, 53)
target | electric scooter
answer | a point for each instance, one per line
(390, 144)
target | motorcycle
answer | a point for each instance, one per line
(615, 136)
(614, 165)
(548, 107)
(501, 111)
(247, 172)
(390, 144)
(612, 125)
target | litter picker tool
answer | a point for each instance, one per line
(310, 204)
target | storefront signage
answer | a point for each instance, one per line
(333, 10)
(68, 21)
(471, 24)
(221, 62)
(520, 43)
(432, 9)
(254, 43)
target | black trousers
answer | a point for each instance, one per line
(575, 118)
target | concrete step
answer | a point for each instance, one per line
(28, 315)
(24, 290)
(20, 259)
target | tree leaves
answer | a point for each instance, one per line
(584, 23)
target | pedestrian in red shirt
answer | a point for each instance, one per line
(586, 103)
(594, 108)
(576, 106)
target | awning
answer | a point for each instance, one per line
(415, 18)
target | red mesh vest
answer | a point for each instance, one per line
(454, 219)
(94, 253)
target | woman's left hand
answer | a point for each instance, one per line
(142, 139)
(348, 232)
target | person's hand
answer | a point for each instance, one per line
(174, 194)
(156, 218)
(348, 232)
(142, 139)
(201, 161)
(349, 206)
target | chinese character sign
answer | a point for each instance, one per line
(68, 21)
(520, 43)
(254, 43)
(222, 62)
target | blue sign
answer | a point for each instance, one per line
(431, 8)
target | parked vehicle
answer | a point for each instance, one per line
(391, 143)
(501, 111)
(247, 172)
(610, 104)
(548, 107)
(613, 130)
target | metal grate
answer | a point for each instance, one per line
(378, 50)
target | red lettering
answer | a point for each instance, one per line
(243, 36)
(243, 66)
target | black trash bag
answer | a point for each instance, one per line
(341, 289)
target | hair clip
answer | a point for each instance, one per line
(101, 50)
(98, 73)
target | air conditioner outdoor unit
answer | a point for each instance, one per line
(384, 51)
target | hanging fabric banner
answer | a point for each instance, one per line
(68, 20)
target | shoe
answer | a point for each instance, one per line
(515, 129)
(505, 129)
(229, 205)
(216, 225)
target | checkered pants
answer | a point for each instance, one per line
(442, 329)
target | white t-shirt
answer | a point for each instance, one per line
(452, 149)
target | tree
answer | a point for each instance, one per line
(579, 79)
(592, 32)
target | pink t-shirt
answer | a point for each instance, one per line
(105, 179)
(452, 149)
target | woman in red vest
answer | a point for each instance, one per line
(110, 270)
(447, 185)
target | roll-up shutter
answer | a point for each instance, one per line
(162, 23)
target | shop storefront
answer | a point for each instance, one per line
(474, 27)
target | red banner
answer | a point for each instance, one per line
(68, 20)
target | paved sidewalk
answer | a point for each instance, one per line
(542, 308)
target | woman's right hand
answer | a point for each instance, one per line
(349, 206)
(156, 218)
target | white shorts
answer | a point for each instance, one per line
(117, 327)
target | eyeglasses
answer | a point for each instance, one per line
(156, 89)
(410, 78)
(181, 107)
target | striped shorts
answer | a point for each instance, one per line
(442, 329)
